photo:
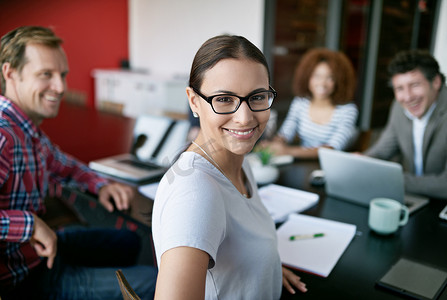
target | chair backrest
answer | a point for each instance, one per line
(126, 289)
(111, 107)
(76, 97)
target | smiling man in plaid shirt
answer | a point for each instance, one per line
(33, 258)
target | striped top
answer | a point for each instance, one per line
(338, 133)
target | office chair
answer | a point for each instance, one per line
(126, 289)
(111, 107)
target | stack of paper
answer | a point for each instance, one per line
(317, 254)
(281, 201)
(149, 190)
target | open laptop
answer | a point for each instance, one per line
(157, 140)
(360, 178)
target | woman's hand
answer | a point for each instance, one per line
(277, 145)
(290, 280)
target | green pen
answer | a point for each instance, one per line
(305, 236)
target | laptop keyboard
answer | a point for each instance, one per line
(140, 164)
(408, 203)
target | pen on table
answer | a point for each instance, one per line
(305, 236)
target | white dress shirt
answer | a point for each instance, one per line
(418, 138)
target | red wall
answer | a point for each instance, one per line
(95, 32)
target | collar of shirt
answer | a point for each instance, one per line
(425, 117)
(15, 112)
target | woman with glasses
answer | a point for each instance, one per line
(321, 114)
(213, 237)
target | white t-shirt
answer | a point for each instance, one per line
(197, 206)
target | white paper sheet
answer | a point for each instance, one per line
(281, 201)
(315, 255)
(149, 190)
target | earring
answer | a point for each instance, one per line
(195, 115)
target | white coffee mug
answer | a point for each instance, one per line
(386, 215)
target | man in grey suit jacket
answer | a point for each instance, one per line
(416, 131)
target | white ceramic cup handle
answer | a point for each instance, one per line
(406, 213)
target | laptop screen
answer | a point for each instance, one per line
(158, 139)
(360, 178)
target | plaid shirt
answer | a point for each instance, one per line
(28, 163)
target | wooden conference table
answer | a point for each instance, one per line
(366, 259)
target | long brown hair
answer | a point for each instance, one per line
(221, 47)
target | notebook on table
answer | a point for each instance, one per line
(359, 178)
(156, 141)
(281, 201)
(320, 247)
(414, 279)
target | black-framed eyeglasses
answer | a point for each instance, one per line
(230, 103)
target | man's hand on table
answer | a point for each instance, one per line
(120, 193)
